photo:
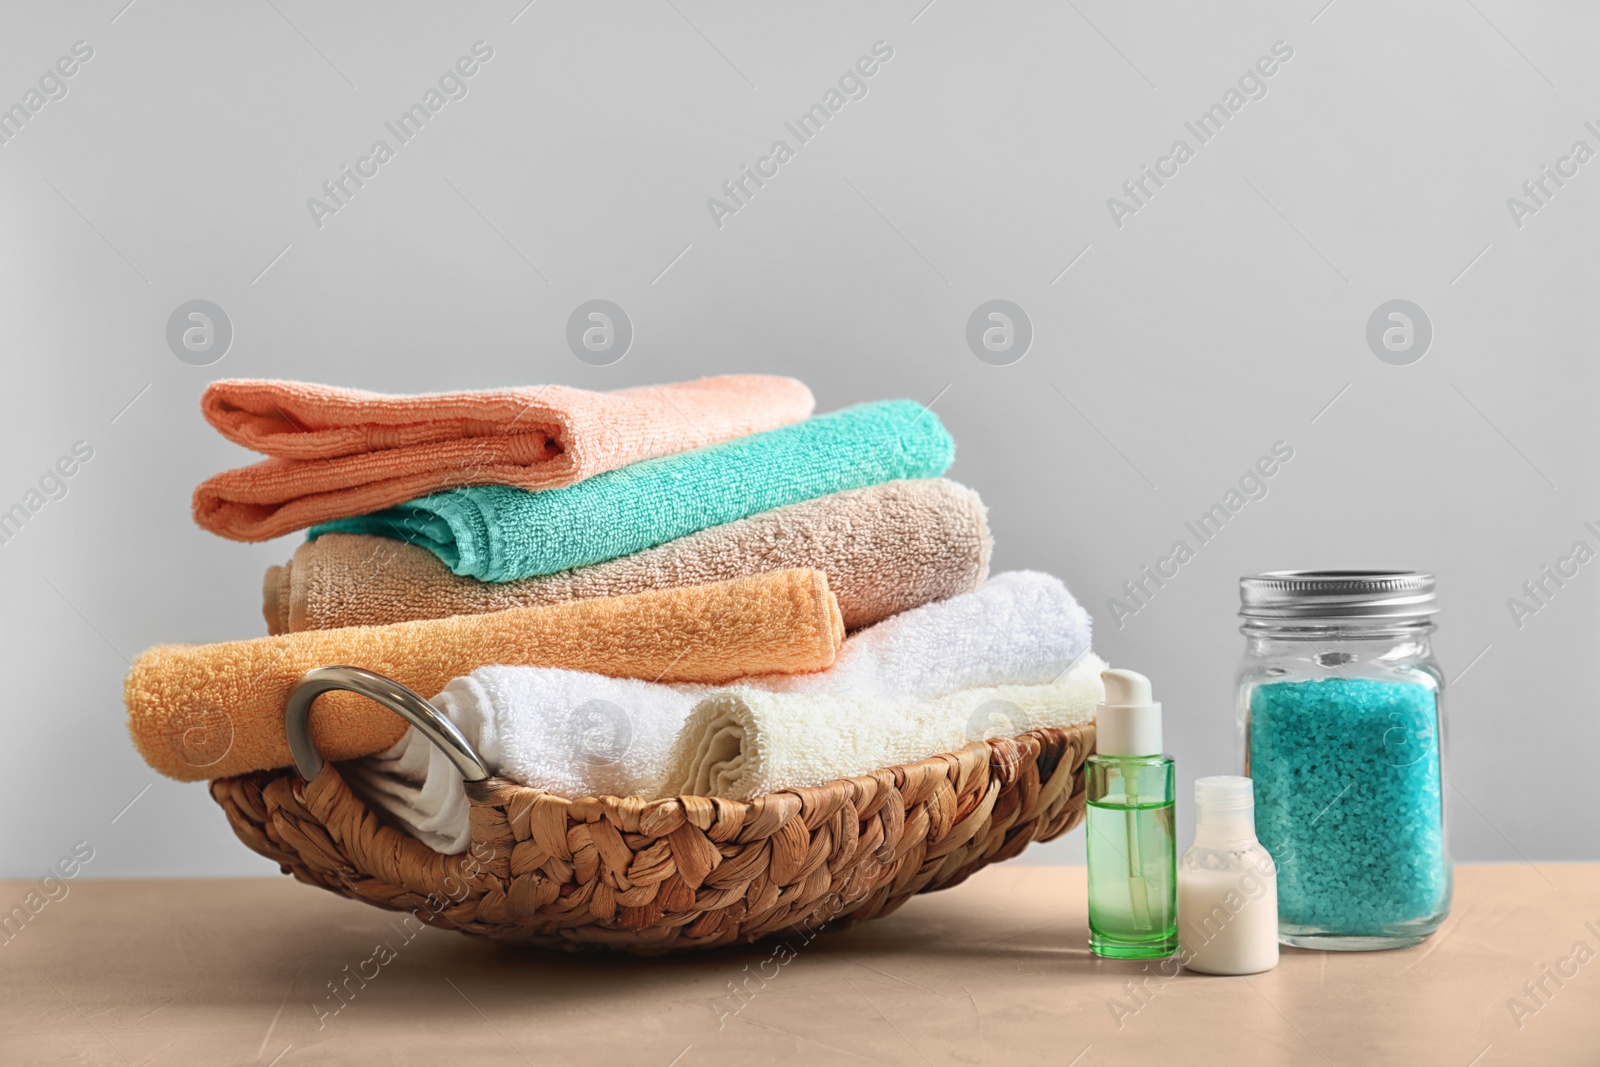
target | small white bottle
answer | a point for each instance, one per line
(1227, 885)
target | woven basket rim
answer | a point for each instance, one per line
(496, 787)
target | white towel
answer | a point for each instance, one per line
(569, 732)
(1018, 628)
(578, 734)
(742, 743)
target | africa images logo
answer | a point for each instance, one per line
(452, 85)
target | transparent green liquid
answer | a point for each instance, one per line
(1133, 877)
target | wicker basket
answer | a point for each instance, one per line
(664, 875)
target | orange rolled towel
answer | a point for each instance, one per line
(213, 711)
(885, 549)
(337, 452)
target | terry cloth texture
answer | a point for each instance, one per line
(338, 452)
(499, 534)
(885, 549)
(577, 734)
(212, 711)
(743, 743)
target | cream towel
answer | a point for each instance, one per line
(580, 734)
(743, 743)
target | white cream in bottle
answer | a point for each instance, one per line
(1227, 885)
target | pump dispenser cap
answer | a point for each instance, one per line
(1128, 722)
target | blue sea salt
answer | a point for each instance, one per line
(1348, 802)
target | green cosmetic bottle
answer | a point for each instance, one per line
(1133, 848)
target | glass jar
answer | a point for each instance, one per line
(1342, 723)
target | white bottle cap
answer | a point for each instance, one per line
(1128, 722)
(1225, 792)
(1227, 811)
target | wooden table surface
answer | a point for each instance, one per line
(219, 972)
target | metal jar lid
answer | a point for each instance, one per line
(1395, 595)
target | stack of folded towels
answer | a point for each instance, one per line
(691, 589)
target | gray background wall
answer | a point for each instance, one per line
(1228, 313)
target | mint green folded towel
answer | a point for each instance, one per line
(500, 534)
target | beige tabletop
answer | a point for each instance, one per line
(994, 971)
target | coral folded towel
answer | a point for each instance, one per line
(211, 711)
(885, 549)
(338, 452)
(578, 734)
(499, 534)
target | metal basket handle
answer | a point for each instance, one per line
(386, 691)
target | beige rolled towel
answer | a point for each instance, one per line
(885, 549)
(742, 743)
